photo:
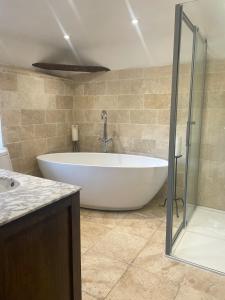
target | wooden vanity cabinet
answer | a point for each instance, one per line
(40, 254)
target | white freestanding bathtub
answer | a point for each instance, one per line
(108, 181)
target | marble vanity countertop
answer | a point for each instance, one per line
(32, 194)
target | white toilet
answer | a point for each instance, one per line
(5, 162)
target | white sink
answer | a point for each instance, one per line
(8, 184)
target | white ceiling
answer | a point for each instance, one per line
(101, 31)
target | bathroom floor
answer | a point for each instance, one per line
(123, 259)
(203, 241)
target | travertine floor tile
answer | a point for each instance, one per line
(86, 296)
(137, 284)
(187, 293)
(205, 282)
(159, 237)
(100, 273)
(91, 232)
(154, 208)
(106, 218)
(120, 245)
(153, 259)
(139, 225)
(124, 260)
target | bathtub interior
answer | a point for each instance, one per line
(105, 160)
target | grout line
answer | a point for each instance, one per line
(117, 281)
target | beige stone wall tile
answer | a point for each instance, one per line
(163, 116)
(8, 81)
(84, 102)
(32, 101)
(157, 101)
(69, 87)
(68, 116)
(131, 73)
(79, 116)
(55, 144)
(90, 144)
(15, 150)
(162, 149)
(64, 102)
(51, 130)
(32, 148)
(12, 134)
(215, 66)
(55, 116)
(84, 116)
(215, 99)
(142, 146)
(137, 86)
(158, 72)
(40, 130)
(122, 144)
(130, 102)
(215, 82)
(54, 86)
(130, 130)
(118, 116)
(62, 129)
(30, 84)
(143, 116)
(29, 116)
(90, 88)
(11, 118)
(89, 129)
(100, 88)
(113, 87)
(27, 132)
(125, 87)
(18, 165)
(78, 89)
(51, 102)
(9, 100)
(156, 131)
(105, 102)
(157, 86)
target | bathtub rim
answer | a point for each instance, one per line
(165, 165)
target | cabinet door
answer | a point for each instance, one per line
(40, 258)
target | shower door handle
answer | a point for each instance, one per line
(188, 130)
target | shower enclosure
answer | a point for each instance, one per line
(192, 217)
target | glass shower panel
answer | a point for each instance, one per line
(183, 95)
(193, 139)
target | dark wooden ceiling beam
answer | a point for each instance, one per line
(71, 68)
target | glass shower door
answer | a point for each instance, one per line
(193, 138)
(185, 124)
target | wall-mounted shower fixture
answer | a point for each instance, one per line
(105, 139)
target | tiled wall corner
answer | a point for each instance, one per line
(36, 111)
(212, 164)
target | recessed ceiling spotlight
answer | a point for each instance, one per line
(134, 21)
(66, 37)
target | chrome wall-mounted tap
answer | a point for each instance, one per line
(105, 140)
